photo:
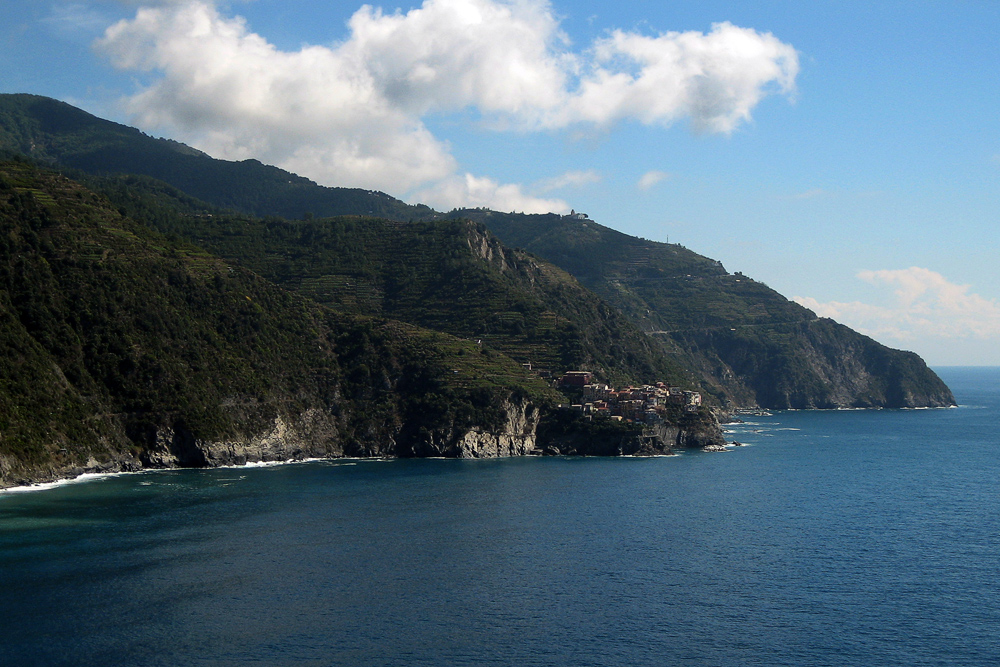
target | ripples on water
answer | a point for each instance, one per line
(834, 538)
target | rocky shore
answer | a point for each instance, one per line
(314, 435)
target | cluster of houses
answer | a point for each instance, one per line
(647, 404)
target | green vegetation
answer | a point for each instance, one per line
(110, 331)
(56, 133)
(740, 341)
(746, 343)
(448, 276)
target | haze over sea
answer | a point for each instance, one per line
(834, 538)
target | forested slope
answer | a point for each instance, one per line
(747, 344)
(744, 343)
(54, 132)
(121, 348)
(450, 276)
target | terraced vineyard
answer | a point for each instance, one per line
(449, 276)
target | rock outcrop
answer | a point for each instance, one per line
(565, 434)
(515, 438)
(313, 434)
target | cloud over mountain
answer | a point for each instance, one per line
(924, 304)
(352, 113)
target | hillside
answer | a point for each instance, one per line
(448, 276)
(120, 348)
(747, 344)
(53, 132)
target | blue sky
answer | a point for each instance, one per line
(845, 153)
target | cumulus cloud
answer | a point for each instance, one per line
(923, 304)
(316, 111)
(715, 79)
(352, 113)
(651, 178)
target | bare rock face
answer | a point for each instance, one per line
(699, 437)
(513, 435)
(314, 435)
(515, 438)
(309, 435)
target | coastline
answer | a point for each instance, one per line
(85, 477)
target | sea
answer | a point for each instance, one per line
(830, 538)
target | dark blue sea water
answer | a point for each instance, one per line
(834, 538)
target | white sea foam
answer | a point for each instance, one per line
(269, 464)
(80, 479)
(98, 476)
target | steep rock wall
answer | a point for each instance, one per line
(564, 433)
(512, 434)
(312, 434)
(813, 364)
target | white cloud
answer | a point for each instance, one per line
(470, 191)
(715, 79)
(351, 113)
(231, 93)
(570, 179)
(651, 178)
(923, 304)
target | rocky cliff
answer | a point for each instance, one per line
(511, 434)
(564, 432)
(311, 434)
(746, 344)
(810, 364)
(120, 349)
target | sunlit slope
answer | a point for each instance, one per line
(743, 342)
(748, 343)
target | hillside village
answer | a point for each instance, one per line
(647, 404)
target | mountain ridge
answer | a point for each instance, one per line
(122, 349)
(746, 345)
(749, 345)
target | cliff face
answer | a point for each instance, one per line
(311, 434)
(746, 344)
(827, 365)
(120, 349)
(510, 433)
(314, 434)
(563, 432)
